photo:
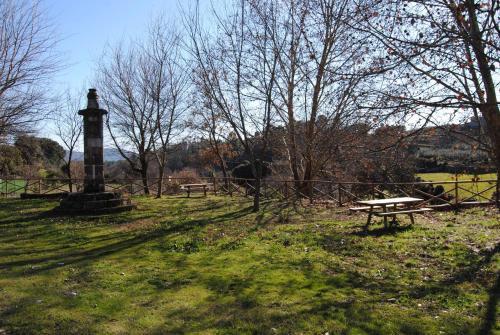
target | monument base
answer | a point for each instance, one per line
(94, 203)
(45, 196)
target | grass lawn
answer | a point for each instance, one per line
(211, 266)
(464, 194)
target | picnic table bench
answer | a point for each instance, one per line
(390, 207)
(195, 187)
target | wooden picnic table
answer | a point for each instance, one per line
(189, 187)
(391, 207)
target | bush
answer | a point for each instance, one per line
(185, 176)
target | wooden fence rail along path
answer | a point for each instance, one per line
(436, 194)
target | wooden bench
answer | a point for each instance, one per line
(390, 207)
(362, 209)
(409, 212)
(195, 187)
(367, 208)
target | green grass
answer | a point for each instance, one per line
(465, 192)
(211, 266)
(12, 186)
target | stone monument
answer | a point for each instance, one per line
(93, 160)
(94, 199)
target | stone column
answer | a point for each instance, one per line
(93, 144)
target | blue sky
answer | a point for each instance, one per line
(87, 26)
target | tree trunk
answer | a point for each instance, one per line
(308, 176)
(311, 126)
(256, 196)
(144, 177)
(70, 182)
(144, 173)
(492, 117)
(497, 194)
(257, 172)
(159, 190)
(292, 143)
(69, 171)
(224, 175)
(489, 110)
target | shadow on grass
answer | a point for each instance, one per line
(279, 212)
(490, 318)
(171, 227)
(470, 273)
(29, 228)
(382, 231)
(247, 307)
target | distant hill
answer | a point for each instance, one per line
(449, 149)
(110, 155)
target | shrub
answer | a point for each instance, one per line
(185, 176)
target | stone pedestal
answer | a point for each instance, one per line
(93, 199)
(93, 159)
(94, 203)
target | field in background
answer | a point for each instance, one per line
(181, 265)
(462, 194)
(11, 186)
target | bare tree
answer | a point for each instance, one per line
(209, 123)
(440, 58)
(68, 128)
(27, 60)
(145, 87)
(235, 75)
(321, 77)
(168, 89)
(123, 79)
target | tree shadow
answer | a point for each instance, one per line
(17, 230)
(470, 273)
(279, 209)
(382, 231)
(168, 228)
(490, 317)
(25, 219)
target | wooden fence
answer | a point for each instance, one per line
(446, 194)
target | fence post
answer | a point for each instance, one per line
(340, 193)
(497, 195)
(39, 186)
(456, 190)
(215, 184)
(311, 192)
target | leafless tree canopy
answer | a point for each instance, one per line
(235, 72)
(27, 60)
(293, 64)
(69, 126)
(440, 58)
(143, 85)
(169, 84)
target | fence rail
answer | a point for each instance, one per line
(446, 194)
